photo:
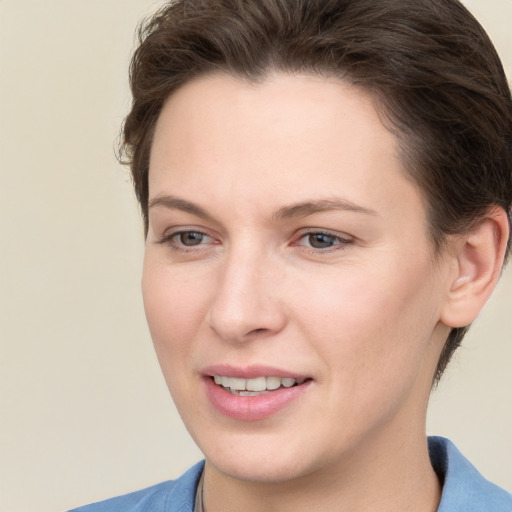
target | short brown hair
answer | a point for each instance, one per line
(431, 67)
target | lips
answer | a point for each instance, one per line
(255, 386)
(252, 394)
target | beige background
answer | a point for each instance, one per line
(84, 412)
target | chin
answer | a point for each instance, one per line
(258, 471)
(264, 459)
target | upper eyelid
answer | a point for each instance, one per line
(329, 232)
(182, 231)
(176, 230)
(169, 235)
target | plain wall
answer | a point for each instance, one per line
(84, 411)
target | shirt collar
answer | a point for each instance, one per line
(464, 488)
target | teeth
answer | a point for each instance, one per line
(251, 393)
(237, 384)
(273, 382)
(253, 387)
(288, 383)
(258, 384)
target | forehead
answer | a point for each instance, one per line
(282, 101)
(287, 137)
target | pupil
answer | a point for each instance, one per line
(321, 241)
(191, 238)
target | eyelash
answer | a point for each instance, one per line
(169, 240)
(340, 242)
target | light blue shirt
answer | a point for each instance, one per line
(464, 489)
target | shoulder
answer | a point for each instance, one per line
(464, 488)
(170, 496)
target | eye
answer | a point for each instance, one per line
(321, 241)
(186, 239)
(190, 238)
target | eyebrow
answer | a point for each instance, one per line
(296, 210)
(303, 209)
(175, 203)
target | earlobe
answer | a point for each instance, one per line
(478, 257)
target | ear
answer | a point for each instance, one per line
(478, 259)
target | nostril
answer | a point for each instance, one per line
(237, 318)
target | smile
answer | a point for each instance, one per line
(249, 395)
(256, 386)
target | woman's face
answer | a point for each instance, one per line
(287, 249)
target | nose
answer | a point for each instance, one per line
(246, 303)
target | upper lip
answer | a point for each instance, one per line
(249, 372)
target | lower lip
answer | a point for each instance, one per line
(252, 408)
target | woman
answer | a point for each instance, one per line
(326, 187)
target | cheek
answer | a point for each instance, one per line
(371, 337)
(368, 320)
(175, 306)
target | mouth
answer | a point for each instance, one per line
(253, 393)
(256, 386)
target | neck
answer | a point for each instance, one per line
(398, 478)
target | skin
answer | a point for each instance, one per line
(364, 316)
